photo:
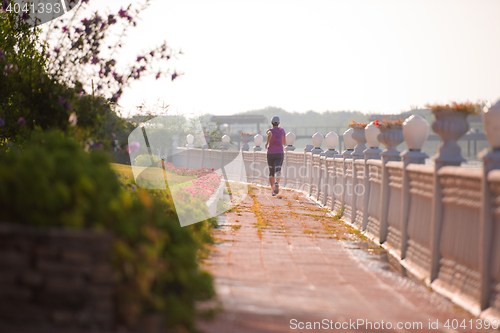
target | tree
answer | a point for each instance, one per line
(63, 79)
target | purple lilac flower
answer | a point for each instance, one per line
(158, 75)
(25, 16)
(96, 146)
(21, 121)
(65, 29)
(174, 76)
(62, 100)
(122, 13)
(2, 122)
(133, 147)
(95, 61)
(2, 54)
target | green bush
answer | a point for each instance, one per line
(53, 182)
(144, 160)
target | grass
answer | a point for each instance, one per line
(151, 175)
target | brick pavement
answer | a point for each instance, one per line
(284, 258)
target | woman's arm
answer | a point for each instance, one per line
(269, 135)
(284, 138)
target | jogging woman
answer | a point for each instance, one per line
(274, 145)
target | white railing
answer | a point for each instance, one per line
(442, 222)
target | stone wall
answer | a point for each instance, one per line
(54, 278)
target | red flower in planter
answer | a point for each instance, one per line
(375, 122)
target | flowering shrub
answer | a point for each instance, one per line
(155, 261)
(145, 160)
(67, 76)
(204, 186)
(169, 167)
(473, 109)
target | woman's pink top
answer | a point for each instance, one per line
(276, 143)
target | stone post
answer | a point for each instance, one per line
(290, 140)
(373, 152)
(415, 132)
(491, 161)
(450, 125)
(391, 137)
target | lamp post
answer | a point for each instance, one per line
(317, 140)
(290, 140)
(225, 142)
(349, 143)
(332, 140)
(415, 133)
(371, 133)
(190, 140)
(257, 139)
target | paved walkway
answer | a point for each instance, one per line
(281, 259)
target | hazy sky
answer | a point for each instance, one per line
(369, 55)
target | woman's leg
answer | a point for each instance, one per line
(272, 168)
(271, 181)
(278, 162)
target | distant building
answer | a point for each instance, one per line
(245, 119)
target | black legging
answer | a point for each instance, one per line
(274, 161)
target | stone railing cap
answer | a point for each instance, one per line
(460, 172)
(420, 168)
(395, 164)
(374, 162)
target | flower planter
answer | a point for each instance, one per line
(450, 125)
(246, 138)
(207, 141)
(390, 137)
(359, 136)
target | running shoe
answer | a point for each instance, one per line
(276, 188)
